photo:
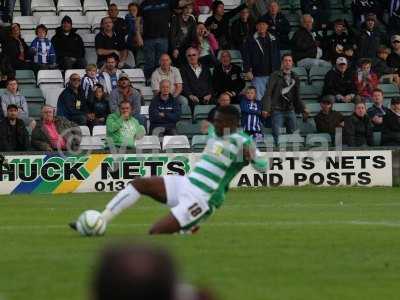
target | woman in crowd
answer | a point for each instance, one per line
(16, 49)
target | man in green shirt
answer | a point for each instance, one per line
(194, 197)
(123, 129)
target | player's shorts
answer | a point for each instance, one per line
(188, 203)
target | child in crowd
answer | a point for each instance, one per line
(251, 110)
(90, 79)
(98, 107)
(42, 50)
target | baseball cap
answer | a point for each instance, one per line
(341, 61)
(395, 100)
(9, 106)
(123, 76)
(66, 19)
(395, 37)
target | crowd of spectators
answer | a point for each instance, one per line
(187, 62)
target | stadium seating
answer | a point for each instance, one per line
(186, 112)
(43, 8)
(318, 140)
(201, 112)
(25, 77)
(266, 144)
(171, 143)
(390, 90)
(28, 37)
(301, 72)
(290, 141)
(69, 7)
(51, 94)
(93, 8)
(100, 130)
(136, 76)
(377, 138)
(88, 39)
(146, 92)
(306, 127)
(148, 143)
(82, 24)
(345, 108)
(188, 128)
(27, 23)
(309, 92)
(199, 142)
(51, 22)
(50, 77)
(85, 130)
(144, 110)
(96, 21)
(318, 73)
(92, 143)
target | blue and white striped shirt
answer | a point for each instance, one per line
(43, 51)
(88, 84)
(251, 115)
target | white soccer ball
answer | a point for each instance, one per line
(91, 223)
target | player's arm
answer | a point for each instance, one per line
(253, 155)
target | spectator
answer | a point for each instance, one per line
(227, 78)
(386, 74)
(170, 73)
(123, 129)
(242, 29)
(42, 50)
(14, 136)
(98, 107)
(278, 24)
(89, 80)
(223, 100)
(358, 128)
(16, 49)
(183, 28)
(327, 120)
(156, 16)
(55, 133)
(71, 103)
(370, 38)
(391, 125)
(13, 96)
(339, 82)
(350, 55)
(282, 98)
(306, 45)
(120, 26)
(164, 111)
(125, 92)
(107, 42)
(261, 56)
(135, 272)
(362, 8)
(335, 43)
(206, 44)
(394, 23)
(70, 51)
(202, 6)
(110, 74)
(319, 10)
(6, 70)
(197, 84)
(365, 80)
(251, 110)
(377, 111)
(134, 26)
(218, 23)
(393, 59)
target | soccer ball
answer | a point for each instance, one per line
(91, 223)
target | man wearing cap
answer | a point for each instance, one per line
(306, 48)
(71, 103)
(391, 125)
(370, 38)
(261, 57)
(69, 47)
(327, 120)
(335, 43)
(393, 59)
(14, 136)
(125, 92)
(339, 82)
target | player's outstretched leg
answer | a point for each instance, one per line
(151, 186)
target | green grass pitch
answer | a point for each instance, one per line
(282, 243)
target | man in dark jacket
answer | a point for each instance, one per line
(120, 26)
(227, 78)
(197, 85)
(72, 101)
(14, 136)
(362, 8)
(393, 59)
(391, 125)
(358, 128)
(70, 51)
(242, 29)
(318, 9)
(377, 111)
(327, 120)
(282, 98)
(335, 43)
(164, 111)
(339, 82)
(278, 24)
(261, 56)
(306, 45)
(371, 37)
(386, 73)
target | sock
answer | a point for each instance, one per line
(125, 198)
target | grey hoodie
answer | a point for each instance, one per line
(7, 98)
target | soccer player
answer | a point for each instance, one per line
(194, 197)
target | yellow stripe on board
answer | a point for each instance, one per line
(71, 185)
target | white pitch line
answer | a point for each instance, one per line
(231, 224)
